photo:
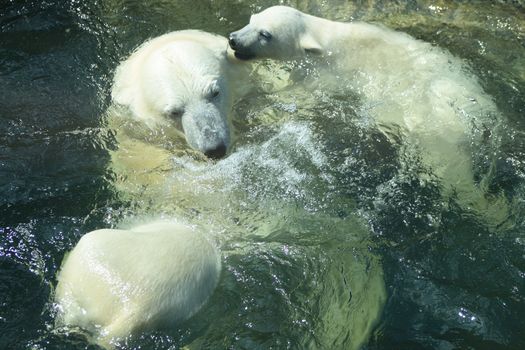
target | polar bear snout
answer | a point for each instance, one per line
(206, 129)
(242, 43)
(216, 152)
(232, 40)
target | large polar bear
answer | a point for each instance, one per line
(182, 78)
(115, 283)
(403, 84)
(238, 199)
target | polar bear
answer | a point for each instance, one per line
(182, 78)
(115, 283)
(402, 83)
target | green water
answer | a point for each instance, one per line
(313, 210)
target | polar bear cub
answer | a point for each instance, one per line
(402, 83)
(282, 32)
(115, 283)
(182, 78)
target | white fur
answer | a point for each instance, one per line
(402, 82)
(181, 78)
(115, 283)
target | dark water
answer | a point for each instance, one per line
(451, 280)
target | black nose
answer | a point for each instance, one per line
(232, 41)
(217, 152)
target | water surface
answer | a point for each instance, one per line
(314, 208)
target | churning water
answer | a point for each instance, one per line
(330, 224)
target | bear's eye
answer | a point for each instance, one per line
(176, 113)
(265, 34)
(214, 92)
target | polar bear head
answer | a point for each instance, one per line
(279, 32)
(185, 83)
(181, 78)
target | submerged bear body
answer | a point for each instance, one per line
(115, 283)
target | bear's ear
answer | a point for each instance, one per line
(310, 45)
